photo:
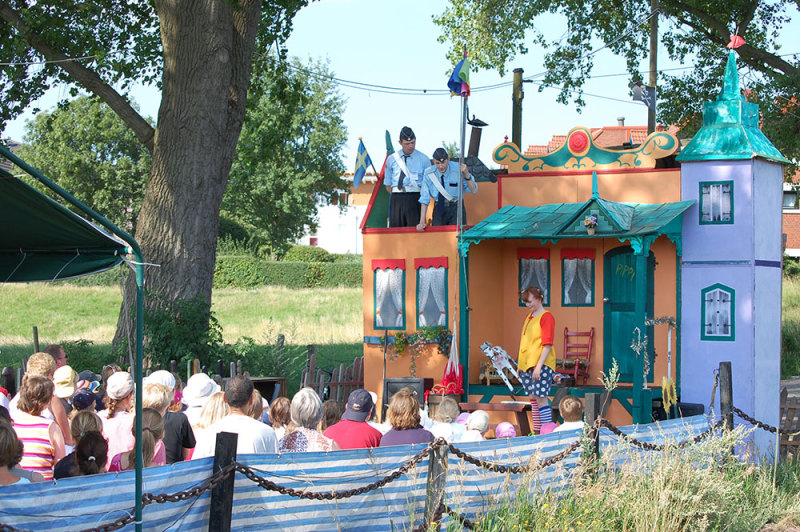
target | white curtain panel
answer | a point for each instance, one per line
(382, 278)
(438, 281)
(396, 290)
(423, 289)
(535, 272)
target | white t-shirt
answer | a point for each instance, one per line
(255, 437)
(4, 401)
(569, 425)
(471, 435)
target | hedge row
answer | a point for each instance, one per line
(242, 271)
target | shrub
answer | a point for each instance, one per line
(246, 271)
(791, 267)
(181, 330)
(790, 348)
(307, 254)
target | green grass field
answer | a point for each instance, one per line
(331, 319)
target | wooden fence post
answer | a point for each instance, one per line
(20, 374)
(232, 369)
(239, 370)
(222, 494)
(35, 339)
(437, 482)
(592, 408)
(726, 394)
(9, 381)
(220, 367)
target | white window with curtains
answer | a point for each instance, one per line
(716, 202)
(577, 274)
(431, 292)
(390, 280)
(719, 313)
(534, 270)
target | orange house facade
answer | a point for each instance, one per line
(529, 230)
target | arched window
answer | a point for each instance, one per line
(389, 293)
(431, 291)
(534, 270)
(718, 313)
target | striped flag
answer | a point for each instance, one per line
(362, 161)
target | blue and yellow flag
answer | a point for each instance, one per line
(362, 161)
(459, 79)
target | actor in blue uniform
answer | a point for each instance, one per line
(440, 184)
(403, 179)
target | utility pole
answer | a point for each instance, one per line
(516, 109)
(651, 112)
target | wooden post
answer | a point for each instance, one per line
(592, 406)
(239, 367)
(220, 367)
(232, 369)
(726, 394)
(173, 366)
(222, 493)
(35, 339)
(20, 373)
(437, 482)
(8, 381)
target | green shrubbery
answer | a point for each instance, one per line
(247, 271)
(307, 254)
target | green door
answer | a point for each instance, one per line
(619, 319)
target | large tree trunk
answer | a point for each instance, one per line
(208, 48)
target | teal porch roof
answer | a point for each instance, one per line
(632, 222)
(730, 127)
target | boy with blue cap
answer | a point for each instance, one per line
(440, 184)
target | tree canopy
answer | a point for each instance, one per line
(289, 152)
(85, 147)
(693, 32)
(200, 54)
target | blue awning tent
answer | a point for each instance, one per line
(41, 240)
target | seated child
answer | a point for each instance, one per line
(477, 425)
(571, 410)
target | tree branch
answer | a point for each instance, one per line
(88, 78)
(721, 33)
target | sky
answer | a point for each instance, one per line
(364, 44)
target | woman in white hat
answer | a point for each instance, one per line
(198, 389)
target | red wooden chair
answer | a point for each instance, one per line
(574, 361)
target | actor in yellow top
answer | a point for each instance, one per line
(537, 357)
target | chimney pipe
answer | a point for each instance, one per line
(620, 120)
(475, 136)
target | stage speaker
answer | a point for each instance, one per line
(417, 385)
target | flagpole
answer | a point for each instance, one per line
(460, 218)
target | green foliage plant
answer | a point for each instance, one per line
(308, 254)
(181, 330)
(288, 158)
(86, 148)
(418, 342)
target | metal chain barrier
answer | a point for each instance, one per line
(271, 486)
(655, 447)
(761, 425)
(149, 498)
(502, 468)
(435, 518)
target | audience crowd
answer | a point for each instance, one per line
(65, 424)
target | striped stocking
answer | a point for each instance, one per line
(546, 414)
(535, 413)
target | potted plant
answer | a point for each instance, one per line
(590, 222)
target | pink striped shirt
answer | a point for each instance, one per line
(34, 433)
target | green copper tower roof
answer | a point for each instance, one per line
(730, 127)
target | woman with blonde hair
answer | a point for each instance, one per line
(213, 410)
(152, 433)
(41, 437)
(404, 417)
(82, 423)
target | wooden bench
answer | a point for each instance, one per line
(521, 409)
